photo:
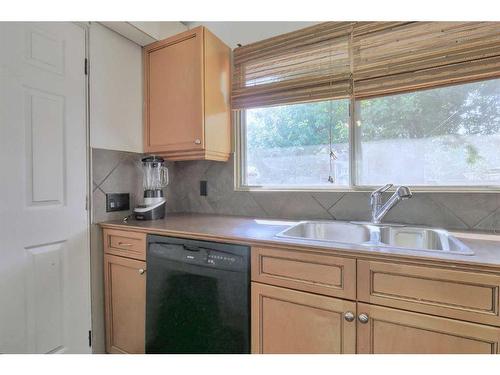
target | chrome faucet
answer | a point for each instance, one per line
(379, 210)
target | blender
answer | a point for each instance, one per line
(155, 178)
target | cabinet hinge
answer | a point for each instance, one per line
(90, 338)
(86, 66)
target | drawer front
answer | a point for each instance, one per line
(125, 243)
(451, 293)
(316, 273)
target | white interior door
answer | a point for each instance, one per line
(44, 247)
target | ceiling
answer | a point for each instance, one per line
(245, 32)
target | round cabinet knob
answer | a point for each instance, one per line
(197, 141)
(363, 318)
(349, 316)
(141, 271)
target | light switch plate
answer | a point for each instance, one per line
(203, 188)
(117, 202)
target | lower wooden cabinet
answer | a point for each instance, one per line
(384, 307)
(294, 322)
(125, 304)
(391, 331)
(289, 321)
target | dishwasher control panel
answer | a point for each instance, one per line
(218, 258)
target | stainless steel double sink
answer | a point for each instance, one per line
(378, 235)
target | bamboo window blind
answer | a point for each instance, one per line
(339, 59)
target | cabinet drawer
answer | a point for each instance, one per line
(125, 243)
(317, 273)
(451, 293)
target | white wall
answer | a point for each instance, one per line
(115, 91)
(246, 32)
(160, 30)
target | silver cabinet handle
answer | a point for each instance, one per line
(141, 271)
(349, 316)
(197, 141)
(363, 318)
(124, 244)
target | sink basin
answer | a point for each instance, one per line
(337, 231)
(378, 235)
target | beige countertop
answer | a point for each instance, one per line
(255, 232)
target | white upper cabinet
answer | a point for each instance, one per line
(115, 91)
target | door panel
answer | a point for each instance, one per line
(287, 321)
(392, 331)
(125, 295)
(44, 255)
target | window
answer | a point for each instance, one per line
(447, 136)
(360, 104)
(290, 145)
(441, 137)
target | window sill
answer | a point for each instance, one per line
(369, 189)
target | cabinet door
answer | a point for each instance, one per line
(125, 304)
(174, 93)
(392, 331)
(289, 321)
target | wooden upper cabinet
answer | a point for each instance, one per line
(390, 331)
(187, 97)
(286, 321)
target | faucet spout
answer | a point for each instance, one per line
(379, 210)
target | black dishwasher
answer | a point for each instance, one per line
(197, 297)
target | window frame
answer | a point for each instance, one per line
(240, 164)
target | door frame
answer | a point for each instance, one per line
(88, 173)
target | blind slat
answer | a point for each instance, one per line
(327, 90)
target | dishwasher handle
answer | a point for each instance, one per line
(192, 248)
(184, 247)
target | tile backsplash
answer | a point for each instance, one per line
(479, 211)
(115, 171)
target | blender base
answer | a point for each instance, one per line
(153, 212)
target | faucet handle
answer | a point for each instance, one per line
(404, 192)
(381, 189)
